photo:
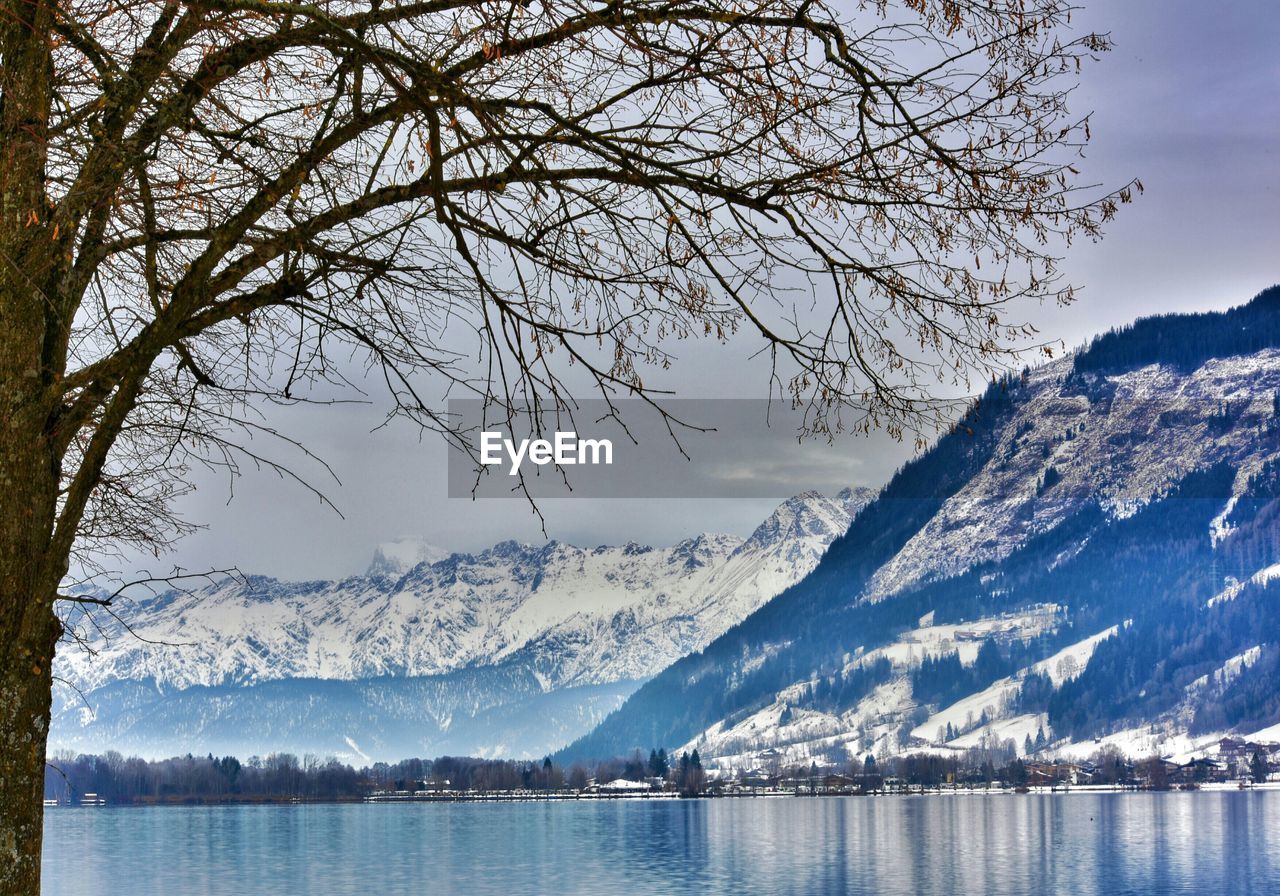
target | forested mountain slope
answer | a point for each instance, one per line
(1084, 515)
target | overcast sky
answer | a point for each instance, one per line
(1189, 101)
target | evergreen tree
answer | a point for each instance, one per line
(1016, 773)
(658, 765)
(1258, 768)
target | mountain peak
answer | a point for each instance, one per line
(704, 550)
(395, 558)
(808, 514)
(855, 497)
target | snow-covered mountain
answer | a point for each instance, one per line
(1094, 523)
(551, 617)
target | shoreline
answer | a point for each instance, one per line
(534, 797)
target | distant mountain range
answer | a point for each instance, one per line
(513, 651)
(1087, 559)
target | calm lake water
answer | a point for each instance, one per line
(1015, 844)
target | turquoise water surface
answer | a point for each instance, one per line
(1134, 843)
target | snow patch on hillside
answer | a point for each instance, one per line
(1233, 588)
(1268, 735)
(1227, 673)
(1158, 739)
(961, 638)
(1069, 662)
(1016, 729)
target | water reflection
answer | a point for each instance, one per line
(999, 844)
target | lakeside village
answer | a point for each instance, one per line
(110, 779)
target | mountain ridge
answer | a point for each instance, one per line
(554, 616)
(1042, 467)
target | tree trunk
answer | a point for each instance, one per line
(31, 362)
(29, 579)
(25, 682)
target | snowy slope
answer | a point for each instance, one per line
(875, 724)
(1120, 439)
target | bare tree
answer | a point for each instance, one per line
(211, 203)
